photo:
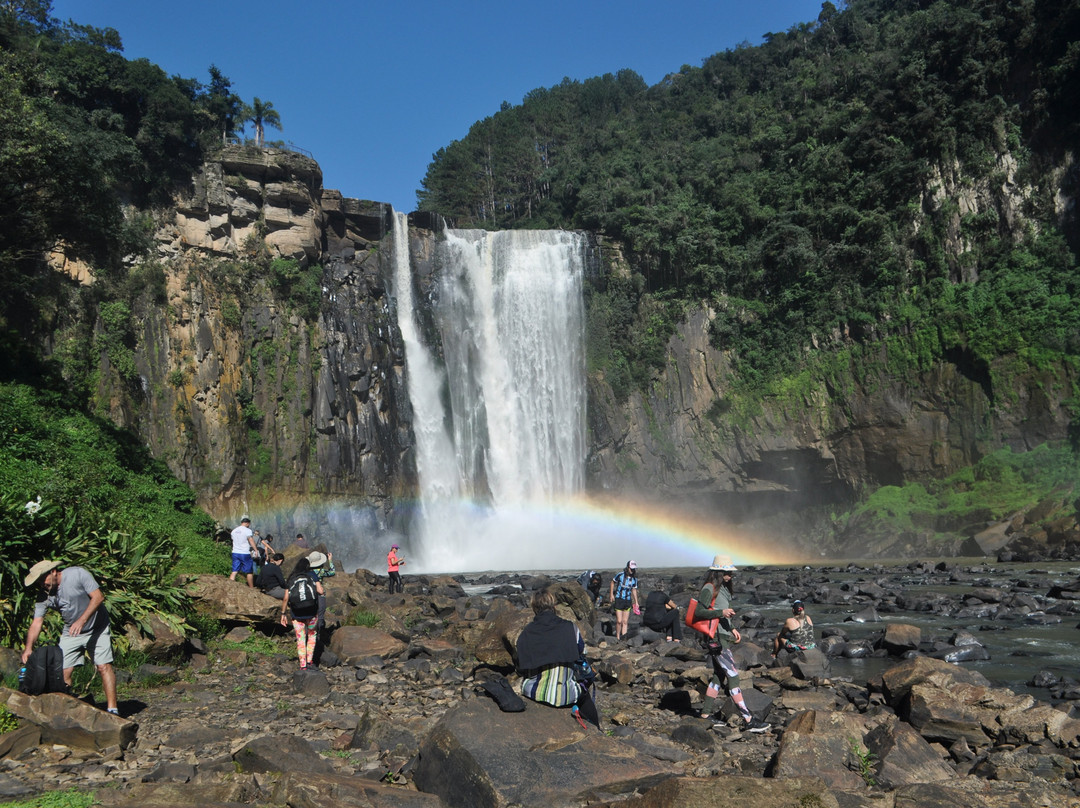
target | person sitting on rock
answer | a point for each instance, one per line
(271, 579)
(662, 616)
(547, 649)
(797, 633)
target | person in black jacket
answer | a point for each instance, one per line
(271, 579)
(662, 616)
(547, 650)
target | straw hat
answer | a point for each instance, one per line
(722, 562)
(39, 569)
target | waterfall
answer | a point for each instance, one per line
(499, 403)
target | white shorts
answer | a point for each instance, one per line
(96, 644)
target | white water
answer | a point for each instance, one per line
(499, 420)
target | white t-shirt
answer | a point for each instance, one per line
(240, 543)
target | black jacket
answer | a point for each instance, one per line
(548, 640)
(270, 577)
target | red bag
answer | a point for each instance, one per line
(706, 627)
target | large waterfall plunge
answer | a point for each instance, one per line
(499, 411)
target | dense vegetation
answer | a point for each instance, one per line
(89, 143)
(814, 190)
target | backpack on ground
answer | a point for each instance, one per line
(44, 671)
(302, 595)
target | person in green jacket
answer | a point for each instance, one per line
(714, 601)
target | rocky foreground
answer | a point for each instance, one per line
(395, 717)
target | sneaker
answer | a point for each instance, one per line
(113, 710)
(757, 725)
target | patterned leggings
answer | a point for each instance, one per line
(307, 633)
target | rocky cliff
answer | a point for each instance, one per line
(269, 374)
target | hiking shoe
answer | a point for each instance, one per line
(757, 725)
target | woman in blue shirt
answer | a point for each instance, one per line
(623, 595)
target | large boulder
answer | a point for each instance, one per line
(479, 757)
(67, 721)
(353, 643)
(694, 792)
(233, 601)
(898, 680)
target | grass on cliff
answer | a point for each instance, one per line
(999, 485)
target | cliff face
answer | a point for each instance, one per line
(257, 399)
(265, 401)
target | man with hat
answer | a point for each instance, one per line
(716, 591)
(244, 551)
(393, 565)
(76, 595)
(797, 633)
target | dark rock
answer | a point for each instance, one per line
(280, 753)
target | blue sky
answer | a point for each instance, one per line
(373, 89)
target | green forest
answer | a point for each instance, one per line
(803, 189)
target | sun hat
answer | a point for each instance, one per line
(722, 562)
(316, 559)
(39, 569)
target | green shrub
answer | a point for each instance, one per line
(362, 617)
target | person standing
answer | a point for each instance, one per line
(623, 595)
(322, 565)
(716, 591)
(662, 615)
(393, 568)
(244, 551)
(797, 633)
(305, 616)
(76, 595)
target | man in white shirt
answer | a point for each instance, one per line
(243, 551)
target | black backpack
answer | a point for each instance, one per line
(44, 671)
(303, 598)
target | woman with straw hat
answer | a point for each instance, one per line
(716, 591)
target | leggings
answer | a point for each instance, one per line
(307, 634)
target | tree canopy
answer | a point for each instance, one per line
(810, 187)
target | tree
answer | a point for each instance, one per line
(223, 105)
(261, 114)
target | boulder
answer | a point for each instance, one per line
(233, 600)
(898, 680)
(695, 792)
(479, 757)
(810, 664)
(903, 757)
(820, 742)
(353, 643)
(281, 753)
(340, 791)
(901, 637)
(65, 720)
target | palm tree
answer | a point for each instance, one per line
(261, 113)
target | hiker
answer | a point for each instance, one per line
(393, 568)
(302, 600)
(301, 542)
(547, 650)
(623, 595)
(322, 564)
(797, 633)
(265, 549)
(716, 591)
(592, 582)
(662, 616)
(271, 579)
(244, 551)
(76, 595)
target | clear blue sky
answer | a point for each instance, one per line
(373, 89)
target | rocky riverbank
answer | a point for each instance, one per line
(395, 715)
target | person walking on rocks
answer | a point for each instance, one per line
(623, 595)
(76, 595)
(302, 600)
(716, 591)
(322, 565)
(797, 633)
(244, 551)
(393, 568)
